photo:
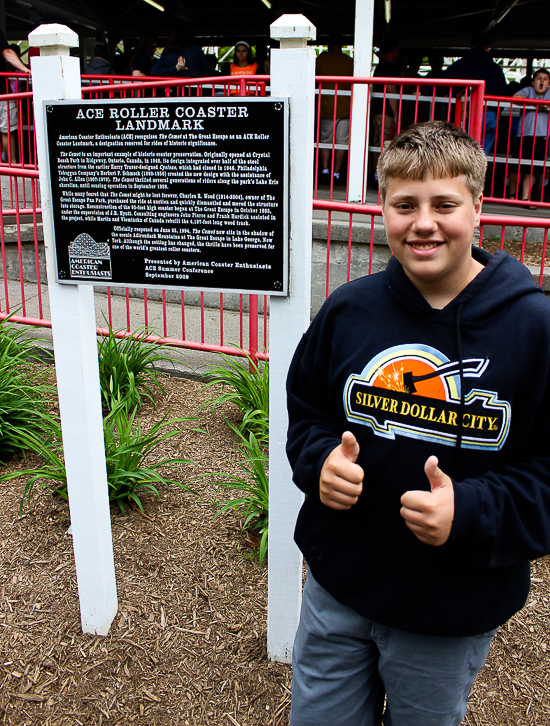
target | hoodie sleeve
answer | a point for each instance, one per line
(504, 518)
(313, 430)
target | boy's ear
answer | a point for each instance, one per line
(478, 206)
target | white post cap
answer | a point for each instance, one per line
(293, 30)
(53, 39)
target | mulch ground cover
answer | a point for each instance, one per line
(188, 644)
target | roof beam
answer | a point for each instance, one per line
(63, 13)
(496, 20)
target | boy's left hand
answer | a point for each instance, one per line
(429, 515)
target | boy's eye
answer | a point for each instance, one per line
(447, 206)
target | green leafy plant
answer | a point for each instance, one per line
(51, 475)
(23, 390)
(126, 449)
(253, 487)
(247, 386)
(126, 371)
(15, 342)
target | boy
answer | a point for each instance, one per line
(419, 428)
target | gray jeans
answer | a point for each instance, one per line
(343, 664)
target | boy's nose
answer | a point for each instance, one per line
(424, 221)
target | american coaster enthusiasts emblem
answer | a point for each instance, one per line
(90, 259)
(414, 390)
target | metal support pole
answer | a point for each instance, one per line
(359, 131)
(56, 75)
(292, 75)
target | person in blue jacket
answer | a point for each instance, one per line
(419, 422)
(479, 65)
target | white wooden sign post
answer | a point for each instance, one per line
(55, 75)
(292, 75)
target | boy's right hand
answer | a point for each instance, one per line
(341, 480)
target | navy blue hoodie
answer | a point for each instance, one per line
(469, 383)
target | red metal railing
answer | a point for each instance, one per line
(409, 100)
(355, 241)
(200, 327)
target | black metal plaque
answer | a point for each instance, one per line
(172, 192)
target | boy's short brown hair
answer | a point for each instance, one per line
(436, 147)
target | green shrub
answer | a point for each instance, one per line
(254, 487)
(16, 344)
(126, 372)
(247, 386)
(23, 390)
(126, 448)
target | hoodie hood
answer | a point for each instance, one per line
(501, 282)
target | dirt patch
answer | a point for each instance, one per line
(530, 253)
(188, 644)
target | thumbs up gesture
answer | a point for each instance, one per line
(429, 515)
(341, 480)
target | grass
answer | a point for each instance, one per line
(23, 391)
(127, 447)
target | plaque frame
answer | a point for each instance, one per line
(98, 260)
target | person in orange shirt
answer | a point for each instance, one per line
(243, 64)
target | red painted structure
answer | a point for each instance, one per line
(459, 101)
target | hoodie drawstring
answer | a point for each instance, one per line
(461, 374)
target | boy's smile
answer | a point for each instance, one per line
(430, 226)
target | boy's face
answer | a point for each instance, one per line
(540, 83)
(430, 226)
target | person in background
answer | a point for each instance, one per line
(8, 111)
(534, 143)
(100, 64)
(243, 65)
(261, 58)
(243, 61)
(10, 55)
(142, 57)
(182, 58)
(334, 62)
(436, 58)
(384, 113)
(479, 65)
(213, 60)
